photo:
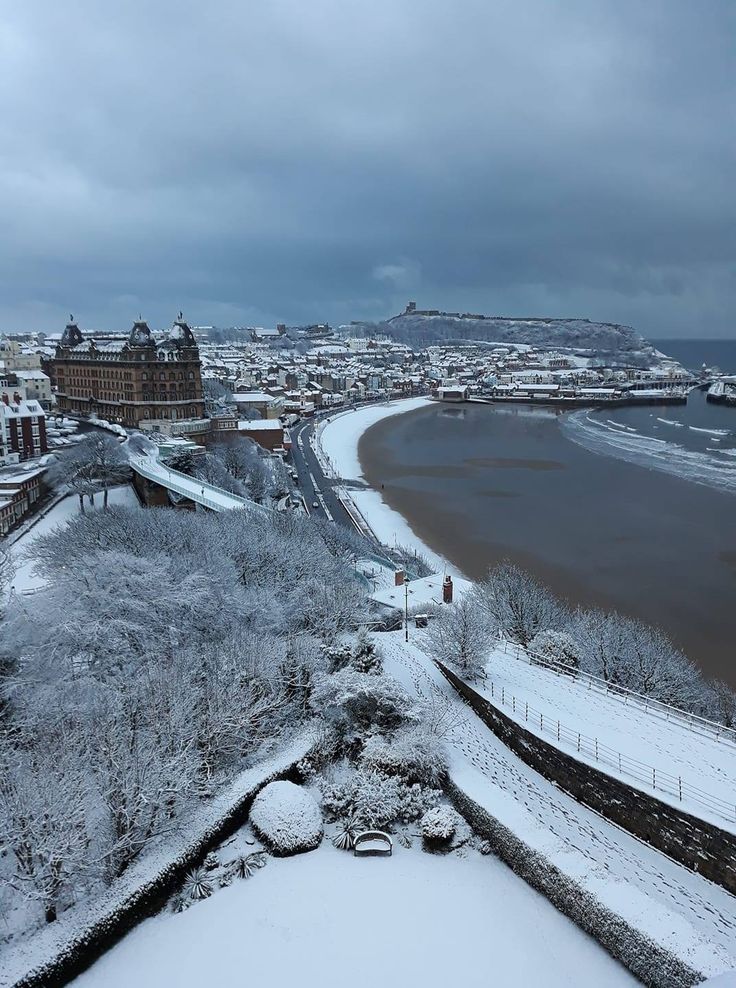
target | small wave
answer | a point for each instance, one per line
(618, 430)
(711, 432)
(620, 425)
(702, 468)
(679, 425)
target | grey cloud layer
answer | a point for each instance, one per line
(284, 160)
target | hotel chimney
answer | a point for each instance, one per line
(447, 590)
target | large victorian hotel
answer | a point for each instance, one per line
(130, 380)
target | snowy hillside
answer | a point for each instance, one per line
(617, 343)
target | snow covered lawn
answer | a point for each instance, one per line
(328, 919)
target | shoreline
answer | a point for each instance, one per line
(598, 531)
(335, 444)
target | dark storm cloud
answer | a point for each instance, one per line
(298, 161)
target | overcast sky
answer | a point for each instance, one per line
(302, 160)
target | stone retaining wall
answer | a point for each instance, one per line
(700, 846)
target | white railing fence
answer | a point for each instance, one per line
(592, 749)
(701, 725)
(197, 490)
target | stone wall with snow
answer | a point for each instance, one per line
(694, 843)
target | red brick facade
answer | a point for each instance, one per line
(133, 380)
(23, 427)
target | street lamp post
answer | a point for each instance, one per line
(406, 608)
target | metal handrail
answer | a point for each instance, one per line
(167, 477)
(602, 754)
(700, 725)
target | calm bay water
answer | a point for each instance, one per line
(694, 353)
(480, 483)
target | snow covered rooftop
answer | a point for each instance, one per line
(427, 590)
(251, 396)
(260, 425)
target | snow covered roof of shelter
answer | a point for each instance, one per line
(260, 425)
(251, 396)
(427, 590)
(31, 375)
(19, 478)
(22, 409)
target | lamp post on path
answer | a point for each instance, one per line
(406, 607)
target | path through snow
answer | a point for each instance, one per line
(690, 916)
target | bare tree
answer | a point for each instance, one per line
(461, 633)
(519, 606)
(627, 652)
(74, 468)
(111, 465)
(95, 464)
(723, 703)
(42, 798)
(7, 572)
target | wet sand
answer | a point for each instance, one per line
(479, 484)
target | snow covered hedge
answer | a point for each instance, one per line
(63, 949)
(648, 961)
(287, 819)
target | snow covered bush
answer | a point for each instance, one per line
(358, 704)
(362, 656)
(439, 826)
(556, 646)
(287, 818)
(345, 839)
(337, 799)
(338, 656)
(365, 657)
(197, 884)
(247, 864)
(372, 798)
(412, 753)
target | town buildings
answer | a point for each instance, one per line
(18, 493)
(157, 382)
(22, 428)
(130, 380)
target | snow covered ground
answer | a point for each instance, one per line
(24, 579)
(336, 446)
(685, 913)
(667, 745)
(327, 919)
(339, 435)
